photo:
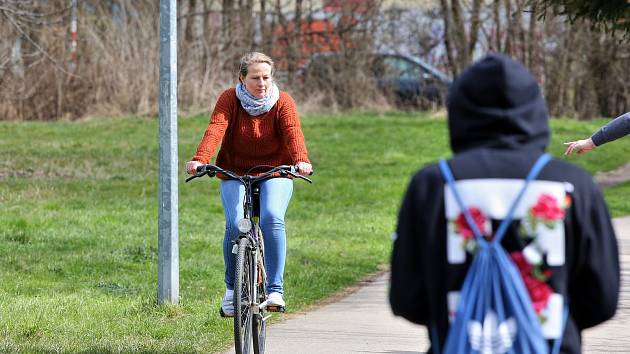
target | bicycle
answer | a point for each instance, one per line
(250, 296)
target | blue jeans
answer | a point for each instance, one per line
(275, 195)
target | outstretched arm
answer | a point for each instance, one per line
(614, 130)
(617, 128)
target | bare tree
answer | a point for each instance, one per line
(583, 71)
(460, 43)
(580, 67)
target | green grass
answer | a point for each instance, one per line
(618, 198)
(78, 228)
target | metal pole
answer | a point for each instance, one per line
(168, 249)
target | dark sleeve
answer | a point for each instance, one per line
(594, 291)
(617, 128)
(407, 292)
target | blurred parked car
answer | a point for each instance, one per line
(406, 80)
(409, 79)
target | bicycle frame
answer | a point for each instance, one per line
(257, 243)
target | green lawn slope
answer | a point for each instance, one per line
(78, 225)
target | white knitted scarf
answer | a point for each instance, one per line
(257, 106)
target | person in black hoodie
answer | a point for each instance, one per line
(561, 239)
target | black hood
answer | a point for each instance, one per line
(497, 103)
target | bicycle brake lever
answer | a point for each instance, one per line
(297, 175)
(197, 175)
(191, 178)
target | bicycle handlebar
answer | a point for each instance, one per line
(212, 170)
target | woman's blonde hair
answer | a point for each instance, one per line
(253, 58)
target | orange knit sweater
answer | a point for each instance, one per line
(273, 138)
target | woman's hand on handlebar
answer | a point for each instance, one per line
(191, 167)
(304, 168)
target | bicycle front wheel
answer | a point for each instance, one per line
(259, 325)
(243, 298)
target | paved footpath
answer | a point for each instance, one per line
(362, 322)
(614, 336)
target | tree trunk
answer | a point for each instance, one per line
(496, 9)
(520, 32)
(227, 23)
(245, 32)
(266, 28)
(463, 57)
(532, 56)
(509, 28)
(474, 27)
(182, 21)
(460, 46)
(448, 37)
(294, 43)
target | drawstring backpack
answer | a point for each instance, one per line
(494, 294)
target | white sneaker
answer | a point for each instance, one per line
(227, 305)
(275, 299)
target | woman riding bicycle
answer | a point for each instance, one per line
(256, 124)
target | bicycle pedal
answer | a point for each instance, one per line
(275, 308)
(223, 314)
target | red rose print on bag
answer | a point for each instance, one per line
(547, 208)
(548, 211)
(462, 228)
(535, 281)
